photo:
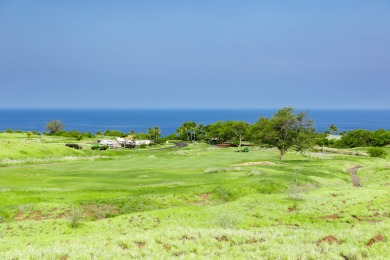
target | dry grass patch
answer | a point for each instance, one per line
(255, 163)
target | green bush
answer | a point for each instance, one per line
(95, 146)
(377, 152)
(103, 147)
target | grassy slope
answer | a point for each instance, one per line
(162, 204)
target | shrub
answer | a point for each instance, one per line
(143, 146)
(103, 147)
(75, 146)
(95, 146)
(74, 218)
(377, 152)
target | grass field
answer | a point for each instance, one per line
(198, 202)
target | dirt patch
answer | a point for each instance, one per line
(254, 241)
(292, 209)
(64, 257)
(376, 239)
(33, 215)
(185, 237)
(141, 244)
(255, 163)
(204, 196)
(334, 195)
(64, 214)
(328, 239)
(98, 212)
(55, 213)
(357, 218)
(167, 248)
(334, 216)
(222, 239)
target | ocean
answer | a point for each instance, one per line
(125, 120)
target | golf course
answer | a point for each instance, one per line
(193, 202)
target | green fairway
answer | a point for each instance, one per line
(195, 202)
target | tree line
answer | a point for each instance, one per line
(284, 130)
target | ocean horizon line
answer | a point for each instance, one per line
(190, 108)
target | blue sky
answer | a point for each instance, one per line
(195, 54)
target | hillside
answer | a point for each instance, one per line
(195, 202)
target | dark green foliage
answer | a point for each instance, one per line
(229, 131)
(284, 130)
(143, 146)
(115, 133)
(75, 146)
(190, 131)
(333, 129)
(154, 133)
(356, 138)
(97, 146)
(377, 152)
(325, 142)
(380, 137)
(364, 138)
(73, 134)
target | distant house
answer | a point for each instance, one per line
(110, 143)
(123, 142)
(140, 142)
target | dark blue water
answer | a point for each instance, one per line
(169, 120)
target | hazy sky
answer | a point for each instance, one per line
(195, 54)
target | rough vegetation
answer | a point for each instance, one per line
(151, 203)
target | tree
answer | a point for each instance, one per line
(187, 131)
(238, 128)
(333, 129)
(285, 130)
(154, 133)
(54, 126)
